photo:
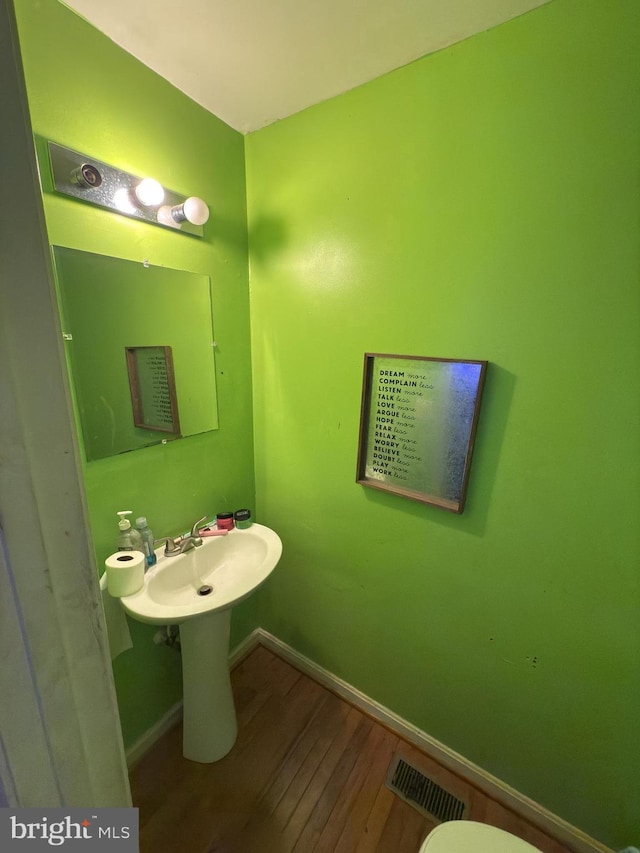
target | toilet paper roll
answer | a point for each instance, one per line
(125, 572)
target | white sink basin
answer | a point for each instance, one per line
(233, 565)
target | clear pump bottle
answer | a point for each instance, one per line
(128, 538)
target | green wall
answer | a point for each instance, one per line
(480, 203)
(88, 94)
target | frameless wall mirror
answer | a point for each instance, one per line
(139, 343)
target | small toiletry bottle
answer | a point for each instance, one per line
(242, 518)
(128, 539)
(224, 521)
(147, 540)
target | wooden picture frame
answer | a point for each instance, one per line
(418, 422)
(153, 388)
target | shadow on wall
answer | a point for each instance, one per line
(230, 232)
(492, 423)
(267, 236)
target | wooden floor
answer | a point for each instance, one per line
(307, 775)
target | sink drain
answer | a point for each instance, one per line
(205, 589)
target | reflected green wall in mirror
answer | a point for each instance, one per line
(108, 304)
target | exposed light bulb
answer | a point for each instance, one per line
(149, 192)
(196, 210)
(192, 210)
(122, 201)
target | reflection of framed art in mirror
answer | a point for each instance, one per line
(153, 388)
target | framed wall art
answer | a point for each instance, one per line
(417, 426)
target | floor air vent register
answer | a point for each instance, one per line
(423, 793)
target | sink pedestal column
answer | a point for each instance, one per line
(210, 726)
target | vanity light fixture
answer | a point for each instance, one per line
(93, 181)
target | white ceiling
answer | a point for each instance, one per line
(252, 62)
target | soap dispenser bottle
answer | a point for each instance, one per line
(128, 538)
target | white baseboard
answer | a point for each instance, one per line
(244, 647)
(499, 791)
(488, 784)
(146, 741)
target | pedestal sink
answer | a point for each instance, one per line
(197, 590)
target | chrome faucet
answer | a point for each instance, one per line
(174, 547)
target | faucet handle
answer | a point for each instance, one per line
(194, 529)
(195, 533)
(170, 546)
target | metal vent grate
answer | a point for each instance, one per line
(423, 793)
